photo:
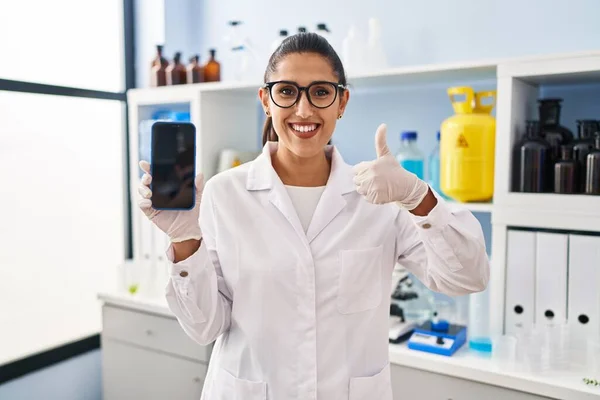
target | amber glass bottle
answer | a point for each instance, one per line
(158, 68)
(195, 71)
(212, 68)
(176, 72)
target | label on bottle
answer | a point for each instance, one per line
(461, 142)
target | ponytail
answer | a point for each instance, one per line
(269, 134)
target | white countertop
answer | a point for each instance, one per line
(472, 366)
(463, 364)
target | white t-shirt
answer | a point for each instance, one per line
(305, 200)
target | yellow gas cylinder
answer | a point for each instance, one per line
(467, 145)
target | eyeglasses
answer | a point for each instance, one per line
(321, 94)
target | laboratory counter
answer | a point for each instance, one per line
(147, 328)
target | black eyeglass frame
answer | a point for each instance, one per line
(337, 85)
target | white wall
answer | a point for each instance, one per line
(416, 32)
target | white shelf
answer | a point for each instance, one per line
(535, 69)
(468, 365)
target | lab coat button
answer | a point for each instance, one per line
(426, 226)
(183, 274)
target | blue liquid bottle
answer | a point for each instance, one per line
(409, 155)
(433, 167)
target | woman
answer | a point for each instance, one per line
(287, 262)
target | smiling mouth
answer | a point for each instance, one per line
(304, 128)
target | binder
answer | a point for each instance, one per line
(584, 285)
(551, 278)
(520, 281)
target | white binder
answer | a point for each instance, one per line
(551, 278)
(520, 281)
(584, 284)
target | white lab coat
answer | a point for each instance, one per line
(304, 316)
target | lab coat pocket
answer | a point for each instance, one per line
(360, 282)
(228, 387)
(378, 386)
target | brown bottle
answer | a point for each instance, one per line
(195, 72)
(212, 69)
(158, 68)
(176, 73)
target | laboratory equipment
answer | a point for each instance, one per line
(195, 71)
(354, 49)
(212, 68)
(158, 75)
(433, 168)
(176, 71)
(243, 60)
(554, 133)
(400, 327)
(301, 29)
(479, 321)
(467, 146)
(409, 155)
(532, 161)
(283, 33)
(376, 56)
(582, 147)
(324, 31)
(438, 336)
(566, 172)
(592, 175)
(409, 294)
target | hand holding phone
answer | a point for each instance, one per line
(172, 200)
(179, 225)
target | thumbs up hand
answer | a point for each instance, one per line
(383, 180)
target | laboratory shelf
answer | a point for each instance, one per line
(223, 112)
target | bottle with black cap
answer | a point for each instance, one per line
(301, 29)
(323, 30)
(532, 162)
(592, 176)
(583, 145)
(566, 172)
(552, 130)
(176, 72)
(283, 33)
(212, 68)
(158, 76)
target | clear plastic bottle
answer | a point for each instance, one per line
(433, 168)
(354, 52)
(478, 330)
(283, 33)
(377, 59)
(409, 155)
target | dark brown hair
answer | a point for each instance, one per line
(303, 42)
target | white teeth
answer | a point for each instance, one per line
(304, 128)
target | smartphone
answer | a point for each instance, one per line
(173, 165)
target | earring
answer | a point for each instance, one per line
(267, 113)
(340, 116)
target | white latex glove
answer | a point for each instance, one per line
(383, 180)
(178, 225)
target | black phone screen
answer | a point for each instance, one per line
(173, 165)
